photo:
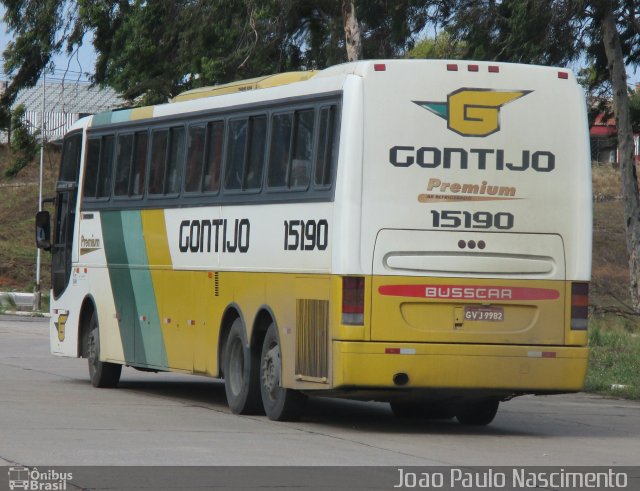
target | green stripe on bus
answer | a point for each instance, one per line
(149, 345)
(109, 117)
(120, 279)
(121, 116)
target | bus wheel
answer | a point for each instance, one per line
(280, 404)
(477, 413)
(414, 410)
(101, 373)
(241, 373)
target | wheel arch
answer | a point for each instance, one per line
(264, 318)
(87, 309)
(231, 313)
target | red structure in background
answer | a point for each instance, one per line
(604, 134)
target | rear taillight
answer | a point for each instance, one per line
(353, 300)
(579, 306)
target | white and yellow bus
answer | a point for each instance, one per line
(410, 231)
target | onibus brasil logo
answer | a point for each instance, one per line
(473, 112)
(21, 477)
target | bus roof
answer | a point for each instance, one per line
(244, 85)
(305, 82)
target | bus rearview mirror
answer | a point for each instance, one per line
(43, 230)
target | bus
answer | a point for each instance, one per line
(416, 232)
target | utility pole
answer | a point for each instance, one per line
(37, 297)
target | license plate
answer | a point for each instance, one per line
(483, 314)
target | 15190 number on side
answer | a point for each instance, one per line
(306, 235)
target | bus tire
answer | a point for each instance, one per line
(102, 374)
(241, 384)
(477, 413)
(280, 404)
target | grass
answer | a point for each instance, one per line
(614, 359)
(614, 329)
(18, 206)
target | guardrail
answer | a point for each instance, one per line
(16, 300)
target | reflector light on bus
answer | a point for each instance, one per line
(452, 67)
(494, 69)
(563, 75)
(473, 68)
(579, 306)
(541, 354)
(353, 300)
(399, 351)
(379, 67)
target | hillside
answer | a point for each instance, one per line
(18, 206)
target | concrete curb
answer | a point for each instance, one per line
(22, 313)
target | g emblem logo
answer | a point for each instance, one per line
(473, 112)
(60, 325)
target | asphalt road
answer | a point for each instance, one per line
(50, 415)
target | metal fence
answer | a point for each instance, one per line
(62, 104)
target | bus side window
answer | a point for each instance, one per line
(104, 174)
(302, 150)
(213, 163)
(175, 163)
(139, 164)
(159, 144)
(255, 164)
(325, 158)
(195, 158)
(70, 164)
(280, 150)
(123, 165)
(234, 166)
(92, 168)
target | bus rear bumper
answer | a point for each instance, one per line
(522, 369)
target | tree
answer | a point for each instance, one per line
(352, 37)
(606, 32)
(150, 51)
(24, 145)
(441, 47)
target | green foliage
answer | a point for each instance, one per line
(23, 144)
(36, 25)
(151, 51)
(442, 47)
(387, 28)
(548, 32)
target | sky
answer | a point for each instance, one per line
(75, 67)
